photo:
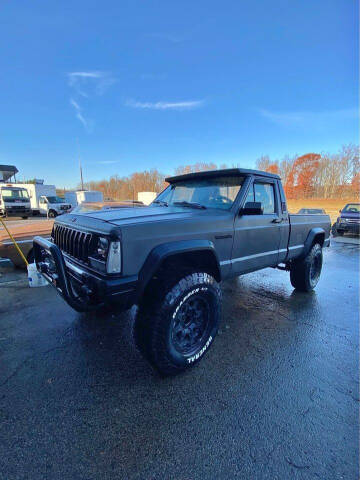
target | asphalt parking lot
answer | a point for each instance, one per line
(277, 396)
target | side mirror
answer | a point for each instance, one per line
(339, 211)
(252, 208)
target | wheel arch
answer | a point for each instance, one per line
(316, 235)
(195, 253)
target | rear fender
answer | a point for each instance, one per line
(316, 235)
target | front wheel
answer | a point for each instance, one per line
(52, 214)
(177, 324)
(305, 273)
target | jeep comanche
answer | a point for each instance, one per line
(170, 257)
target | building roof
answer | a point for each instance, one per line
(221, 173)
(7, 171)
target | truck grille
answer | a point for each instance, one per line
(73, 242)
(18, 207)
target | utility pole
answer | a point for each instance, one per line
(81, 175)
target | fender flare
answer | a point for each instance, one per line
(314, 232)
(166, 250)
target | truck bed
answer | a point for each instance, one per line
(299, 227)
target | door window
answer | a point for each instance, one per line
(264, 193)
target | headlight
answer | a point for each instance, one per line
(102, 247)
(113, 264)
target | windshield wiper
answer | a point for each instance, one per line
(189, 204)
(161, 202)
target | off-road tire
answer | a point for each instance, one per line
(305, 273)
(159, 312)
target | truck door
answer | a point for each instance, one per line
(257, 237)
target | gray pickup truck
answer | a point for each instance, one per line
(169, 258)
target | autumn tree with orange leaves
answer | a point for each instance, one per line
(301, 180)
(355, 184)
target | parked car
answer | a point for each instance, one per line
(311, 211)
(349, 220)
(169, 258)
(24, 236)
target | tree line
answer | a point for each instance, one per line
(316, 175)
(313, 175)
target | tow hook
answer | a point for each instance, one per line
(86, 290)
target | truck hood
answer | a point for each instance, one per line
(126, 216)
(350, 215)
(105, 220)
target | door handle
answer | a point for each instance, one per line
(276, 220)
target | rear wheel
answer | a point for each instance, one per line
(176, 323)
(305, 273)
(52, 214)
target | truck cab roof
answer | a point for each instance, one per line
(227, 172)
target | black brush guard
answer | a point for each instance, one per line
(50, 262)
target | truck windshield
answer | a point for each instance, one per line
(219, 192)
(55, 200)
(12, 194)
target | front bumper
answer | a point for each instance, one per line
(17, 212)
(81, 289)
(349, 227)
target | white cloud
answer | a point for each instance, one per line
(186, 105)
(97, 74)
(107, 162)
(88, 84)
(91, 82)
(79, 114)
(308, 118)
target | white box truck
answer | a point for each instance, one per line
(44, 200)
(14, 201)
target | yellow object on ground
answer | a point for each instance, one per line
(15, 243)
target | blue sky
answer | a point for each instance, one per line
(133, 85)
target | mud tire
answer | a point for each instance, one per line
(305, 273)
(161, 312)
